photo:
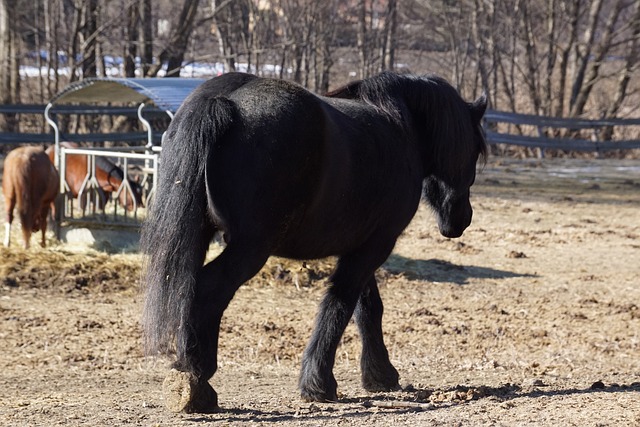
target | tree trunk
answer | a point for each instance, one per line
(569, 8)
(362, 43)
(631, 62)
(147, 36)
(9, 62)
(591, 75)
(327, 31)
(389, 37)
(90, 39)
(173, 53)
(551, 56)
(584, 57)
(221, 22)
(531, 52)
(180, 39)
(131, 39)
(479, 39)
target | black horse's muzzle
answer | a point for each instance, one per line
(457, 221)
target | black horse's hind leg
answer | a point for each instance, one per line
(187, 388)
(317, 382)
(378, 374)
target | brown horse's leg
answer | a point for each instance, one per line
(10, 200)
(27, 226)
(7, 226)
(43, 224)
(187, 388)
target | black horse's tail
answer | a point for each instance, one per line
(178, 230)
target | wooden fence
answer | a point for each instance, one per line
(537, 132)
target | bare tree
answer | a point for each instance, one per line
(147, 36)
(571, 10)
(484, 45)
(363, 45)
(632, 47)
(388, 48)
(89, 10)
(230, 24)
(551, 56)
(9, 60)
(173, 53)
(52, 12)
(325, 32)
(294, 25)
(531, 75)
(589, 68)
(131, 39)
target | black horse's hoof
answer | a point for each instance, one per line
(378, 386)
(315, 392)
(322, 397)
(376, 381)
(184, 393)
(317, 388)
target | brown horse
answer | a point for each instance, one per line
(109, 177)
(31, 182)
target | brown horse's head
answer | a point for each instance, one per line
(131, 196)
(113, 179)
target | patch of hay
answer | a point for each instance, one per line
(63, 270)
(66, 271)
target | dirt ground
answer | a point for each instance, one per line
(531, 318)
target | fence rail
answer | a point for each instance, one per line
(49, 138)
(95, 110)
(539, 138)
(542, 126)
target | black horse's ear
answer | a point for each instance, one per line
(478, 107)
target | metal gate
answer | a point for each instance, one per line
(92, 205)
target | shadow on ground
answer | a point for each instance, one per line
(435, 270)
(407, 400)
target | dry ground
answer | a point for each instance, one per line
(531, 318)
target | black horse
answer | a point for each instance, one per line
(280, 171)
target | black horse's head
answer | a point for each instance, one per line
(447, 129)
(451, 169)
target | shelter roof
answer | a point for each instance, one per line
(166, 93)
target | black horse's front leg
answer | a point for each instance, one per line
(352, 275)
(378, 374)
(317, 382)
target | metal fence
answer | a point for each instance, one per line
(85, 110)
(121, 205)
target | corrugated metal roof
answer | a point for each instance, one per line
(165, 93)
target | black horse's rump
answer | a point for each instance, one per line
(281, 171)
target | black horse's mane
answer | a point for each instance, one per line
(436, 106)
